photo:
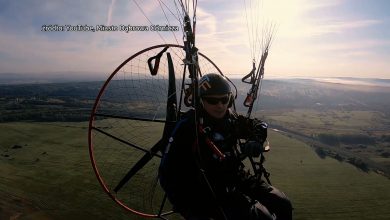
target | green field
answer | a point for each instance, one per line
(326, 188)
(353, 134)
(338, 121)
(45, 173)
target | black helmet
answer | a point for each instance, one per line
(213, 84)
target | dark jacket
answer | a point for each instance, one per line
(194, 178)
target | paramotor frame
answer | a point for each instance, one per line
(129, 118)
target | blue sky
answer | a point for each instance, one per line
(334, 38)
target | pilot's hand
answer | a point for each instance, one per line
(252, 148)
(259, 131)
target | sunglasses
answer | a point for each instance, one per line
(214, 100)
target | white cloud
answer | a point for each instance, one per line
(109, 13)
(331, 27)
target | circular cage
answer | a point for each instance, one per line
(128, 120)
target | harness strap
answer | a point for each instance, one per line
(211, 144)
(171, 139)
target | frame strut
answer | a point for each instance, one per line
(125, 142)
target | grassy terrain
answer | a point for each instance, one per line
(338, 121)
(359, 134)
(52, 171)
(325, 188)
(45, 173)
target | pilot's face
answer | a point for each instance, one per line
(216, 105)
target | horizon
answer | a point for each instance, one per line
(230, 75)
(69, 77)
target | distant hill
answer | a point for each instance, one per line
(55, 77)
(367, 94)
(314, 93)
